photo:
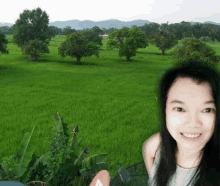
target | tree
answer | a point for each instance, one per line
(3, 44)
(54, 31)
(194, 50)
(68, 30)
(110, 30)
(92, 35)
(151, 28)
(164, 41)
(30, 26)
(104, 31)
(97, 30)
(139, 37)
(78, 46)
(128, 41)
(35, 48)
(5, 30)
(211, 30)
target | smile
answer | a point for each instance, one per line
(191, 138)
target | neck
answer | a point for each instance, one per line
(188, 154)
(187, 161)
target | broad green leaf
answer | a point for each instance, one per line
(93, 160)
(27, 148)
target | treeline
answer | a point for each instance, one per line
(179, 30)
(33, 35)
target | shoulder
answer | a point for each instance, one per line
(151, 145)
(149, 149)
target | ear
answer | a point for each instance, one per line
(101, 179)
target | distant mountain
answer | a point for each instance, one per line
(6, 24)
(80, 25)
(212, 22)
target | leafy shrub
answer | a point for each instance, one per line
(164, 41)
(35, 48)
(205, 39)
(63, 164)
(3, 44)
(195, 51)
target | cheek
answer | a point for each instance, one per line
(209, 120)
(175, 121)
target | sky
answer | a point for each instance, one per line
(158, 11)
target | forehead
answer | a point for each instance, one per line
(186, 87)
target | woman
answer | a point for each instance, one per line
(188, 98)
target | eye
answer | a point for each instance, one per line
(210, 109)
(177, 108)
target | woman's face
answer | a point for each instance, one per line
(192, 116)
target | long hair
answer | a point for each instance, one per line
(208, 171)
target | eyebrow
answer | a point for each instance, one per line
(177, 101)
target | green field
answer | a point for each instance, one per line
(111, 100)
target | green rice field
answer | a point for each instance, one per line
(111, 100)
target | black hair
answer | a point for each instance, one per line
(208, 171)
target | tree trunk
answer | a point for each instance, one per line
(128, 58)
(78, 61)
(35, 57)
(163, 52)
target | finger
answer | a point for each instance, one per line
(101, 179)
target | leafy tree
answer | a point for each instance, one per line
(110, 30)
(30, 26)
(205, 39)
(194, 50)
(183, 29)
(68, 30)
(35, 48)
(211, 30)
(128, 41)
(197, 30)
(152, 28)
(54, 31)
(139, 37)
(77, 45)
(92, 35)
(97, 30)
(104, 31)
(3, 44)
(5, 29)
(164, 41)
(165, 26)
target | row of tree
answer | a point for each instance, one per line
(180, 30)
(32, 34)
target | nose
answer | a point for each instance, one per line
(194, 121)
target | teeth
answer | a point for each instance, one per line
(191, 136)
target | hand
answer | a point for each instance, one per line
(101, 179)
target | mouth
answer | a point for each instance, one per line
(190, 138)
(199, 134)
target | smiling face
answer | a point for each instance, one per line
(192, 116)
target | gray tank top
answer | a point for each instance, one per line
(180, 178)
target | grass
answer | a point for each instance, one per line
(112, 101)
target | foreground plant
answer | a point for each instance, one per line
(63, 164)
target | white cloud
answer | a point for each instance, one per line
(159, 11)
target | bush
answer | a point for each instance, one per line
(206, 39)
(34, 48)
(3, 44)
(64, 162)
(195, 51)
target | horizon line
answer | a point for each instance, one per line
(123, 21)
